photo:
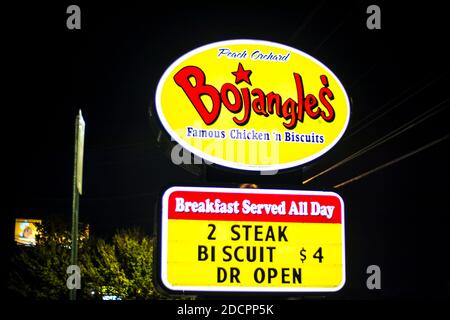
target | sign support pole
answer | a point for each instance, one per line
(77, 190)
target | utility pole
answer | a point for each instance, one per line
(77, 190)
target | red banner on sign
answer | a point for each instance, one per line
(254, 205)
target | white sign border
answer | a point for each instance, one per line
(232, 164)
(165, 231)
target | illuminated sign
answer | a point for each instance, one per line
(252, 105)
(25, 231)
(229, 239)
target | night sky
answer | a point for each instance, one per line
(396, 218)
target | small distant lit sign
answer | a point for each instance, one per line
(230, 239)
(111, 298)
(26, 231)
(252, 105)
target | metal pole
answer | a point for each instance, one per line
(77, 183)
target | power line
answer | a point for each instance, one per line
(306, 21)
(366, 123)
(405, 127)
(362, 76)
(387, 164)
(331, 34)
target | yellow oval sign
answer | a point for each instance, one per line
(252, 105)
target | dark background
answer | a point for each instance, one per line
(396, 218)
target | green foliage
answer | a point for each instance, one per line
(122, 267)
(40, 272)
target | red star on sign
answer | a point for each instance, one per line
(242, 75)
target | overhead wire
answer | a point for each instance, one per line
(365, 122)
(394, 133)
(384, 139)
(331, 34)
(306, 21)
(387, 164)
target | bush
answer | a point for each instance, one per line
(121, 268)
